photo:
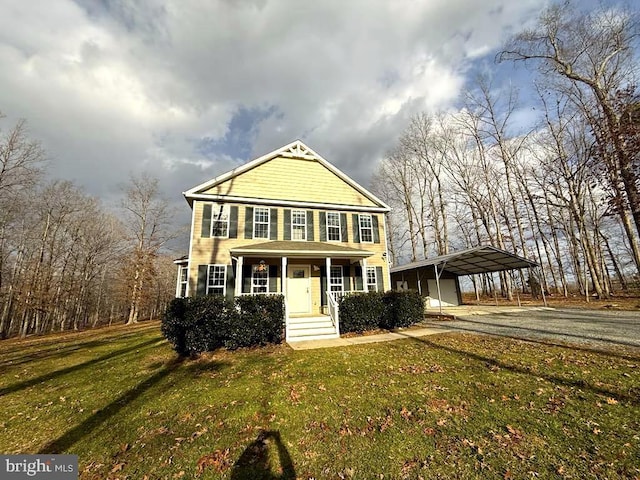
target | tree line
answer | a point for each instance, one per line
(66, 261)
(564, 192)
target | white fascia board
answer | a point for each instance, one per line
(286, 203)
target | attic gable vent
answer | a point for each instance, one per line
(299, 150)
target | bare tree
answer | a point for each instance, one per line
(147, 221)
(589, 58)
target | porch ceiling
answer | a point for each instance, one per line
(475, 260)
(301, 249)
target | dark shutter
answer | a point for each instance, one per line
(379, 279)
(323, 286)
(273, 220)
(309, 226)
(323, 226)
(356, 227)
(346, 278)
(376, 232)
(231, 281)
(358, 277)
(233, 222)
(287, 224)
(246, 279)
(206, 221)
(248, 222)
(273, 278)
(344, 231)
(201, 287)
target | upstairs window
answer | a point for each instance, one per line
(298, 225)
(366, 228)
(333, 227)
(215, 220)
(261, 222)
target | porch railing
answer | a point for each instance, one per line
(333, 302)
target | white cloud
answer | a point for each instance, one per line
(114, 87)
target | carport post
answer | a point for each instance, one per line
(544, 298)
(516, 287)
(435, 267)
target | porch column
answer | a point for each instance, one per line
(327, 264)
(365, 286)
(418, 281)
(239, 276)
(283, 278)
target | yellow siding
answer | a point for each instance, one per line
(217, 250)
(292, 179)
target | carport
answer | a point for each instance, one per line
(441, 273)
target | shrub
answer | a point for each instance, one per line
(367, 311)
(201, 324)
(402, 309)
(360, 312)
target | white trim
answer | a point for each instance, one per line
(363, 266)
(360, 215)
(387, 258)
(225, 206)
(304, 215)
(193, 221)
(224, 278)
(255, 211)
(375, 278)
(253, 278)
(326, 221)
(295, 149)
(283, 203)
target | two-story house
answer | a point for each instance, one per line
(291, 223)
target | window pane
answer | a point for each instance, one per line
(219, 220)
(260, 279)
(215, 282)
(333, 226)
(261, 222)
(335, 279)
(298, 225)
(372, 284)
(366, 230)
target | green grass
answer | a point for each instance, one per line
(446, 406)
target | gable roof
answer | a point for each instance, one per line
(475, 260)
(294, 150)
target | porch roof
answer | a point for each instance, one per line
(482, 259)
(292, 248)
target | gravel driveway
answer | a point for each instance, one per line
(594, 327)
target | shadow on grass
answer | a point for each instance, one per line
(580, 346)
(631, 397)
(76, 434)
(50, 353)
(51, 375)
(255, 461)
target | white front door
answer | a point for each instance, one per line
(299, 288)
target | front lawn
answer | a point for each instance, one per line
(446, 406)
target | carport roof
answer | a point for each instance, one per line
(482, 259)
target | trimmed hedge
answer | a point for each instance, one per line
(201, 324)
(367, 311)
(361, 312)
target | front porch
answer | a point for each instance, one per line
(310, 275)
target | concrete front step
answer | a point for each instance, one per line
(311, 328)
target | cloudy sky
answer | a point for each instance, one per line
(188, 89)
